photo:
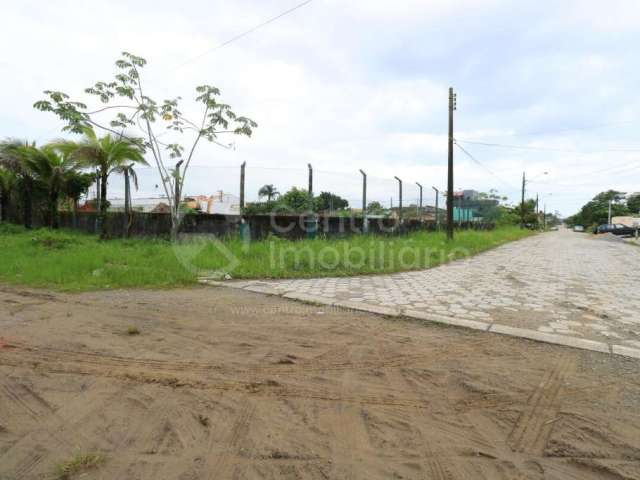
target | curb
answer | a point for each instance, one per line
(496, 328)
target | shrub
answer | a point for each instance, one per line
(10, 229)
(47, 239)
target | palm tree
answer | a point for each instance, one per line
(13, 156)
(107, 154)
(268, 191)
(7, 184)
(129, 175)
(51, 170)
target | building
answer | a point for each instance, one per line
(143, 204)
(220, 203)
(467, 195)
(470, 206)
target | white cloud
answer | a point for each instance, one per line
(359, 84)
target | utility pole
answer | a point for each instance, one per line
(524, 182)
(452, 108)
(310, 180)
(365, 222)
(609, 222)
(399, 199)
(242, 168)
(437, 212)
(420, 202)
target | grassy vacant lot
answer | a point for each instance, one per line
(71, 261)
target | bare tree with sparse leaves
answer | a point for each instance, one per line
(127, 99)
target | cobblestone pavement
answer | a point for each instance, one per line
(559, 283)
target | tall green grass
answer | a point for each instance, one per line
(75, 262)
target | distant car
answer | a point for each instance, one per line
(554, 228)
(615, 228)
(578, 228)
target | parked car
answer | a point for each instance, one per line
(615, 228)
(578, 228)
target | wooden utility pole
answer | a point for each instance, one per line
(310, 180)
(365, 226)
(524, 182)
(420, 202)
(452, 108)
(242, 168)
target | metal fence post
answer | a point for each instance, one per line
(365, 221)
(399, 199)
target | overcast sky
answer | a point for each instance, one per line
(361, 84)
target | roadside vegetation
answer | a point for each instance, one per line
(72, 261)
(596, 211)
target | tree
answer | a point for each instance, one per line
(298, 200)
(507, 215)
(51, 170)
(375, 208)
(633, 203)
(77, 184)
(7, 185)
(126, 97)
(492, 195)
(328, 201)
(13, 156)
(268, 191)
(129, 174)
(107, 154)
(527, 212)
(596, 211)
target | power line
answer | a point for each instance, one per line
(475, 160)
(242, 35)
(547, 149)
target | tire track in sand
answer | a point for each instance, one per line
(533, 427)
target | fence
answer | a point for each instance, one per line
(260, 226)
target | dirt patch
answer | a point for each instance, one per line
(228, 384)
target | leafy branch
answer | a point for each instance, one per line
(132, 108)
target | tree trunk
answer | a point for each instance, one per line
(175, 211)
(175, 219)
(127, 204)
(27, 204)
(104, 228)
(75, 213)
(53, 210)
(4, 206)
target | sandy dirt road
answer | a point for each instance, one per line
(225, 384)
